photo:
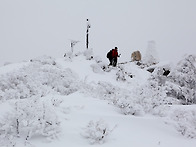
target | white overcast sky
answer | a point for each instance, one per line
(31, 28)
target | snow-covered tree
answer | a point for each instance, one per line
(182, 83)
(29, 118)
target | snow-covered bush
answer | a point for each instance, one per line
(38, 78)
(182, 81)
(185, 121)
(44, 60)
(158, 76)
(120, 75)
(130, 107)
(28, 118)
(148, 98)
(97, 132)
(56, 101)
(104, 90)
(145, 99)
(122, 98)
(123, 75)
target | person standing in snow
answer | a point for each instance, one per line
(112, 55)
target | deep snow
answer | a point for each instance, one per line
(77, 91)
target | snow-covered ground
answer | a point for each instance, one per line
(77, 101)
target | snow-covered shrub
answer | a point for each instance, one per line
(123, 75)
(121, 98)
(38, 78)
(182, 80)
(151, 96)
(56, 101)
(138, 101)
(158, 76)
(175, 91)
(130, 107)
(178, 84)
(18, 86)
(28, 118)
(44, 60)
(120, 76)
(185, 121)
(107, 91)
(97, 132)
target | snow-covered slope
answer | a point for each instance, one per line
(79, 101)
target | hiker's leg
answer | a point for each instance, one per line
(110, 61)
(115, 62)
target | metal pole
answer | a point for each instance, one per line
(87, 33)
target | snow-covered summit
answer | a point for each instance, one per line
(79, 100)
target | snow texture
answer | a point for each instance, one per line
(79, 100)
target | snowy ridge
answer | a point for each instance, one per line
(79, 101)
